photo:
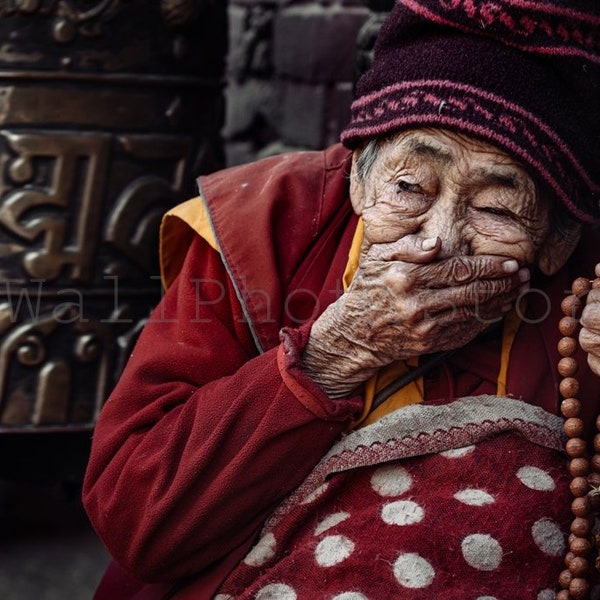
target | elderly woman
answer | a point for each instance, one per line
(350, 388)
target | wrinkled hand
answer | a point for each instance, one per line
(589, 336)
(403, 302)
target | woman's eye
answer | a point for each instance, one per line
(496, 211)
(408, 186)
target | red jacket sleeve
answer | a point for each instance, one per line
(202, 437)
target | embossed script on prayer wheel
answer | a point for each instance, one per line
(108, 111)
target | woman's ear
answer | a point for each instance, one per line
(357, 186)
(557, 248)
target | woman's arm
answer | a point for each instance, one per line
(202, 438)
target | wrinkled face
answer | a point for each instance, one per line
(471, 195)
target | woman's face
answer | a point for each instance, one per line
(471, 195)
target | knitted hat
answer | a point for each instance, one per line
(523, 75)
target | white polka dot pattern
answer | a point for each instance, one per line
(413, 571)
(262, 552)
(536, 479)
(402, 512)
(457, 452)
(391, 480)
(548, 537)
(276, 591)
(333, 550)
(482, 552)
(474, 497)
(424, 524)
(331, 521)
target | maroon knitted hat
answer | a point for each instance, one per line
(523, 75)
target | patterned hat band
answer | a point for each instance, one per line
(464, 108)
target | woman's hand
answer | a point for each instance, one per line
(403, 302)
(589, 336)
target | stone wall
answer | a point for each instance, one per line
(291, 70)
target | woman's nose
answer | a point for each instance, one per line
(446, 220)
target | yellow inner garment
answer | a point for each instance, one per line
(412, 393)
(177, 230)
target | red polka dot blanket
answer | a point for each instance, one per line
(464, 501)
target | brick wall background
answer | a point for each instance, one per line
(291, 69)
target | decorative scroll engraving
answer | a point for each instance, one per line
(87, 207)
(103, 128)
(57, 183)
(134, 221)
(55, 387)
(56, 174)
(59, 360)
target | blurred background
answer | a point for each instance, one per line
(109, 110)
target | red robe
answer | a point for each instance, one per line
(212, 424)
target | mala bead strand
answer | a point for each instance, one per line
(585, 473)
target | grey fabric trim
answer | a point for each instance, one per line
(417, 420)
(236, 287)
(417, 430)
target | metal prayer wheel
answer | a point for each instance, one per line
(108, 111)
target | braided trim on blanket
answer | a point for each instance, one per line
(418, 429)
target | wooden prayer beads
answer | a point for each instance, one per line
(574, 580)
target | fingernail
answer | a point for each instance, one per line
(510, 266)
(524, 275)
(429, 243)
